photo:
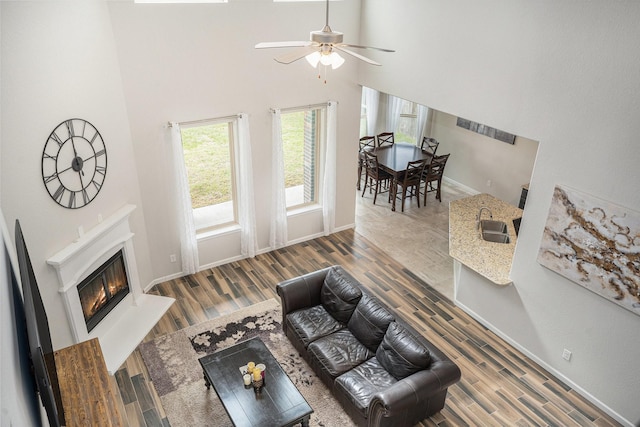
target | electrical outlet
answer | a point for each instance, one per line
(172, 257)
(566, 355)
(488, 183)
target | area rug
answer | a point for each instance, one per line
(172, 362)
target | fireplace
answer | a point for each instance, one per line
(103, 290)
(101, 266)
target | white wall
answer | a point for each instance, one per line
(564, 74)
(190, 62)
(58, 62)
(476, 159)
(129, 68)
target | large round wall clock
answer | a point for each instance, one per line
(74, 163)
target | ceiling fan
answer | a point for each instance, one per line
(321, 49)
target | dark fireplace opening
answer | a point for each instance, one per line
(103, 290)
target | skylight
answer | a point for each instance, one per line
(181, 1)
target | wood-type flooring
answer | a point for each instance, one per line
(499, 386)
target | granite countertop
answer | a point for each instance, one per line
(491, 260)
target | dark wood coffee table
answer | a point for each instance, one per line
(279, 403)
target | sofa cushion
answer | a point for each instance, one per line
(370, 321)
(340, 294)
(338, 352)
(309, 324)
(401, 353)
(362, 382)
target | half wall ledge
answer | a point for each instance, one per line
(491, 260)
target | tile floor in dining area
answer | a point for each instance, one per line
(418, 238)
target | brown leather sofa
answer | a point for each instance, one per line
(383, 372)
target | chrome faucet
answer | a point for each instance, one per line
(480, 214)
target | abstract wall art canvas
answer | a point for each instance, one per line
(595, 244)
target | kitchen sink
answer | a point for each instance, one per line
(493, 226)
(492, 236)
(494, 231)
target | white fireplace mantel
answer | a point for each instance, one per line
(130, 321)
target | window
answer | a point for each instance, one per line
(406, 129)
(301, 140)
(209, 160)
(363, 117)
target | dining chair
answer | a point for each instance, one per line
(366, 143)
(385, 139)
(432, 176)
(429, 145)
(411, 182)
(373, 173)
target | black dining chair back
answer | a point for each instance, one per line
(374, 173)
(385, 139)
(411, 182)
(432, 176)
(366, 143)
(429, 145)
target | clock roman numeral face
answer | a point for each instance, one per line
(69, 124)
(54, 136)
(74, 163)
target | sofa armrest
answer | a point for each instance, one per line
(301, 292)
(415, 389)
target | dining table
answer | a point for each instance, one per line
(393, 159)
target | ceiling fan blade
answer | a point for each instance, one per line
(293, 56)
(365, 47)
(357, 55)
(269, 45)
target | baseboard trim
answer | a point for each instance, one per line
(240, 257)
(464, 187)
(546, 366)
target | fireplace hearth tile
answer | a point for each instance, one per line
(129, 328)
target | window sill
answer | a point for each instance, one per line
(304, 209)
(216, 232)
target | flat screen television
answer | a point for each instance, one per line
(38, 336)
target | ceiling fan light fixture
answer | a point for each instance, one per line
(336, 60)
(325, 58)
(313, 58)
